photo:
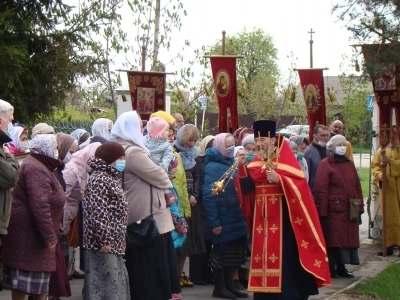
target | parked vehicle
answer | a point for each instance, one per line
(293, 130)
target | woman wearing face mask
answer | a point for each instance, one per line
(225, 217)
(337, 182)
(102, 127)
(250, 147)
(105, 215)
(19, 145)
(59, 283)
(33, 233)
(300, 158)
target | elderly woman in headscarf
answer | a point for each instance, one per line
(36, 214)
(76, 175)
(300, 158)
(199, 269)
(102, 127)
(152, 268)
(59, 282)
(19, 144)
(82, 137)
(337, 183)
(185, 145)
(225, 217)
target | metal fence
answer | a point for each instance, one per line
(69, 126)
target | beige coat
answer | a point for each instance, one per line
(142, 175)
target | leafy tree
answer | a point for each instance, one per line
(373, 22)
(46, 47)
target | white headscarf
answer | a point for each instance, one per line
(100, 127)
(128, 127)
(44, 144)
(18, 130)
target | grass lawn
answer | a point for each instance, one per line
(384, 286)
(364, 178)
(358, 149)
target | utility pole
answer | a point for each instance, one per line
(311, 47)
(156, 43)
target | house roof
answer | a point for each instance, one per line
(333, 82)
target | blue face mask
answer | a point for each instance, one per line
(300, 155)
(10, 130)
(230, 151)
(120, 165)
(111, 138)
(249, 157)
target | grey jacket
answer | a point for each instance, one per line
(8, 178)
(313, 159)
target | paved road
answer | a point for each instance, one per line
(370, 261)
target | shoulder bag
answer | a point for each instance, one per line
(354, 210)
(142, 232)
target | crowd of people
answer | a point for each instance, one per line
(136, 196)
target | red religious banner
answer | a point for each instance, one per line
(385, 79)
(224, 73)
(147, 92)
(312, 83)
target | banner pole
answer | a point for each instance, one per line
(384, 183)
(202, 122)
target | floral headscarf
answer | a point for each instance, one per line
(44, 144)
(101, 127)
(219, 143)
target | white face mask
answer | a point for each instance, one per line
(55, 154)
(340, 150)
(23, 146)
(322, 144)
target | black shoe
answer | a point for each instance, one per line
(199, 282)
(334, 275)
(78, 275)
(220, 290)
(344, 273)
(238, 285)
(389, 252)
(230, 286)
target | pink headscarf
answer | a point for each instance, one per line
(80, 159)
(219, 143)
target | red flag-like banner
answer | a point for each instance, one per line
(312, 83)
(385, 77)
(224, 73)
(147, 92)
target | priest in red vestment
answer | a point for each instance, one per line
(288, 254)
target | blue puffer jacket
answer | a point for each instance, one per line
(222, 209)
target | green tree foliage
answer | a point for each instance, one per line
(356, 117)
(46, 46)
(373, 22)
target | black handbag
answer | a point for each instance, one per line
(142, 232)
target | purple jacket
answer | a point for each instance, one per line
(37, 209)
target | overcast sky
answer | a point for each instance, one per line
(287, 21)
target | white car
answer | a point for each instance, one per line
(293, 130)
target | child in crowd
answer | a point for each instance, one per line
(161, 152)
